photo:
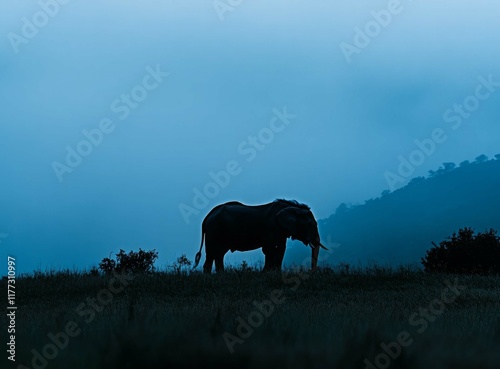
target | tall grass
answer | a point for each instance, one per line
(331, 318)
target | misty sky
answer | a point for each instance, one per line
(265, 91)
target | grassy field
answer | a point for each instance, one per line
(341, 318)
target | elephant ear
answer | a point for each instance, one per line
(288, 219)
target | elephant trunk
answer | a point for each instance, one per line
(315, 252)
(314, 258)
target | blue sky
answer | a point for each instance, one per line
(226, 79)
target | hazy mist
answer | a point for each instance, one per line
(264, 92)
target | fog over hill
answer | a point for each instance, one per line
(398, 227)
(118, 117)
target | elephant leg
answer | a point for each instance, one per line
(273, 257)
(207, 267)
(278, 257)
(219, 262)
(267, 258)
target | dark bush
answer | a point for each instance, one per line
(465, 253)
(181, 264)
(133, 262)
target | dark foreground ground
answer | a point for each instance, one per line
(374, 318)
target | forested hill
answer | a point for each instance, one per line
(399, 227)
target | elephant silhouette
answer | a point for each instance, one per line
(238, 227)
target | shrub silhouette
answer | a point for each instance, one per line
(465, 253)
(181, 264)
(133, 262)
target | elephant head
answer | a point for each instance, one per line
(300, 224)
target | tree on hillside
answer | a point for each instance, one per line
(416, 180)
(464, 163)
(448, 166)
(481, 159)
(342, 208)
(497, 156)
(465, 253)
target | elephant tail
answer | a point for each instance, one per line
(198, 254)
